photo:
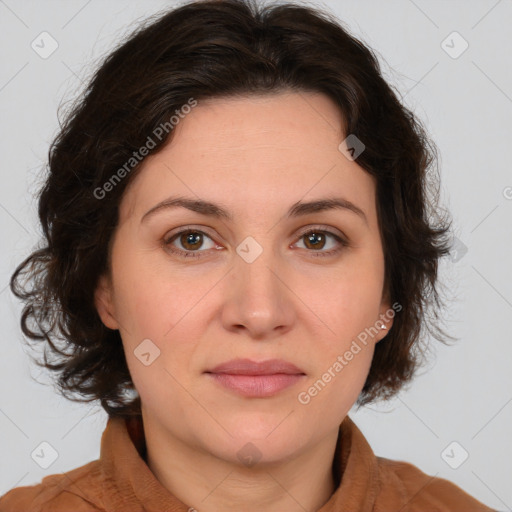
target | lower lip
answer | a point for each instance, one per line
(257, 386)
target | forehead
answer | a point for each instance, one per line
(285, 120)
(257, 150)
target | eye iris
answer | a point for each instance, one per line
(314, 238)
(191, 238)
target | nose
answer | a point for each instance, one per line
(258, 300)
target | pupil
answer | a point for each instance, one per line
(314, 238)
(193, 238)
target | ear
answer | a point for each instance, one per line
(386, 316)
(104, 303)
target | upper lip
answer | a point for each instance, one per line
(249, 367)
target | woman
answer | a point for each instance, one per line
(237, 251)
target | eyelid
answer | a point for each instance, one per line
(189, 227)
(320, 227)
(302, 232)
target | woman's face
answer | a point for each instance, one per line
(249, 284)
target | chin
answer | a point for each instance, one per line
(275, 433)
(249, 451)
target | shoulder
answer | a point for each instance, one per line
(415, 491)
(74, 490)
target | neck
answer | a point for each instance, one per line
(208, 483)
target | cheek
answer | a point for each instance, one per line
(165, 309)
(148, 300)
(348, 306)
(342, 355)
(350, 300)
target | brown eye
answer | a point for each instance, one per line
(316, 240)
(191, 243)
(191, 240)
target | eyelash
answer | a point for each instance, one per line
(197, 254)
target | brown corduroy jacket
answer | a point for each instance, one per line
(121, 481)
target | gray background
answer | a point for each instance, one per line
(465, 100)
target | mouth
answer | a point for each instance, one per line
(256, 379)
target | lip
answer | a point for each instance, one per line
(249, 367)
(256, 379)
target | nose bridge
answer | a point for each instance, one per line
(255, 268)
(258, 299)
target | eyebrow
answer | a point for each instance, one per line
(298, 209)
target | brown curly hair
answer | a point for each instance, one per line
(207, 49)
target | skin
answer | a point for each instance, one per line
(256, 156)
